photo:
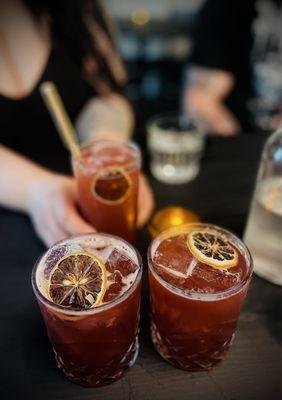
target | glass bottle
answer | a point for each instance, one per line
(263, 233)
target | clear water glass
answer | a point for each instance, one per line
(175, 146)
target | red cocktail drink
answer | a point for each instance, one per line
(88, 290)
(199, 276)
(107, 175)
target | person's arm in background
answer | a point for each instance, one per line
(48, 198)
(220, 65)
(204, 97)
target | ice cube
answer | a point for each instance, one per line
(173, 253)
(118, 261)
(53, 257)
(114, 288)
(211, 280)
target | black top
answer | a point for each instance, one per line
(237, 36)
(223, 40)
(25, 124)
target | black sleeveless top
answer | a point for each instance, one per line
(25, 125)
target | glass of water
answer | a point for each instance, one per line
(175, 144)
(263, 233)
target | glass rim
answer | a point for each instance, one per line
(131, 145)
(197, 123)
(187, 293)
(96, 310)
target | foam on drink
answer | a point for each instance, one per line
(100, 156)
(120, 260)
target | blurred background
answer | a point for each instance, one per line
(154, 38)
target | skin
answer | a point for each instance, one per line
(50, 199)
(204, 97)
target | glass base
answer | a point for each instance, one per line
(194, 362)
(83, 376)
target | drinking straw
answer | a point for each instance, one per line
(55, 106)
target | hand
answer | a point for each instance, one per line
(146, 202)
(52, 208)
(204, 99)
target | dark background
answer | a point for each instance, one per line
(155, 50)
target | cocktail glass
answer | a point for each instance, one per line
(195, 306)
(107, 175)
(93, 345)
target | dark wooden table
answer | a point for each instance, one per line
(220, 194)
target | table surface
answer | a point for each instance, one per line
(220, 194)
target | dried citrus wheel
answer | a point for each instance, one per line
(111, 185)
(78, 281)
(209, 248)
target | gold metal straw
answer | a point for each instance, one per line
(60, 117)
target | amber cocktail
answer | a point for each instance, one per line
(199, 276)
(88, 290)
(107, 175)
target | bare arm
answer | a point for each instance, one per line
(108, 117)
(48, 198)
(17, 176)
(204, 97)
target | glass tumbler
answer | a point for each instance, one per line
(175, 145)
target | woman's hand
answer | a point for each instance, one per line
(146, 202)
(51, 204)
(204, 99)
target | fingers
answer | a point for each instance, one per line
(146, 202)
(55, 216)
(48, 229)
(52, 208)
(69, 220)
(54, 228)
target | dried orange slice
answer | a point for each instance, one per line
(78, 281)
(209, 248)
(111, 185)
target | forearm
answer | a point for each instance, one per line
(16, 178)
(204, 95)
(109, 117)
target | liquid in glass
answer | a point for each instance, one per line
(107, 176)
(88, 290)
(263, 232)
(195, 295)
